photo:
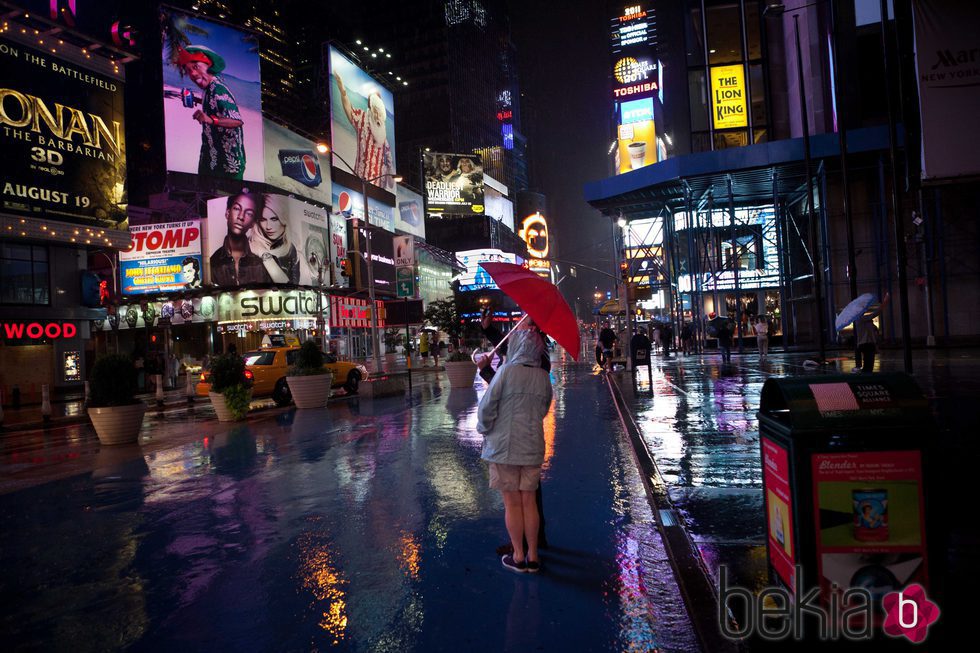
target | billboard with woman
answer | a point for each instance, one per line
(255, 239)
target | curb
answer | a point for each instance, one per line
(693, 578)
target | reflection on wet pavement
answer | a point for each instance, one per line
(700, 424)
(364, 525)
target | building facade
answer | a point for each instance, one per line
(755, 220)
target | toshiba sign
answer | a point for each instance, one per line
(38, 330)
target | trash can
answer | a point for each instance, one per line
(844, 483)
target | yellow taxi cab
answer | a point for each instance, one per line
(269, 367)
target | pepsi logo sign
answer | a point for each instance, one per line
(344, 202)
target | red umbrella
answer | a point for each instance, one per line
(541, 300)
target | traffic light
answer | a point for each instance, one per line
(345, 267)
(624, 271)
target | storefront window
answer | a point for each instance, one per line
(758, 84)
(731, 138)
(753, 30)
(695, 35)
(24, 274)
(697, 91)
(724, 33)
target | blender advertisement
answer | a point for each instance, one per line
(870, 521)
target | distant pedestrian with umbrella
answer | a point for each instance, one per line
(862, 312)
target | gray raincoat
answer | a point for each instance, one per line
(511, 413)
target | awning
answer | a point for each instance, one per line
(650, 190)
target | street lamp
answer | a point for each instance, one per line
(375, 342)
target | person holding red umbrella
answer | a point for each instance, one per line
(511, 419)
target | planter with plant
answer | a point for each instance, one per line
(116, 413)
(309, 381)
(461, 370)
(444, 315)
(231, 391)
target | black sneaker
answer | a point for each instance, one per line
(511, 565)
(532, 566)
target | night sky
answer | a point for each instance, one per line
(563, 56)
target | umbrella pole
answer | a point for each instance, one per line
(502, 340)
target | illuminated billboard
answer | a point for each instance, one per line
(292, 163)
(362, 123)
(475, 277)
(635, 26)
(161, 258)
(454, 183)
(62, 134)
(635, 76)
(534, 233)
(263, 239)
(350, 203)
(637, 145)
(409, 218)
(636, 111)
(728, 102)
(212, 96)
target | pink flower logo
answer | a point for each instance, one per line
(910, 613)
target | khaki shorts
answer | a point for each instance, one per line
(511, 478)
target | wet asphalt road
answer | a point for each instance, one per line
(362, 526)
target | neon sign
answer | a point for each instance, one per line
(39, 330)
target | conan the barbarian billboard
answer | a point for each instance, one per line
(61, 132)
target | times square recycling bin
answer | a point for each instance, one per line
(844, 482)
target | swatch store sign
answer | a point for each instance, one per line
(252, 306)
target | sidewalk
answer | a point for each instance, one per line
(366, 525)
(700, 426)
(72, 410)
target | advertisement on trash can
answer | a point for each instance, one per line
(870, 520)
(779, 512)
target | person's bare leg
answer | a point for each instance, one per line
(514, 520)
(529, 507)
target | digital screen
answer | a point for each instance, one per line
(63, 138)
(454, 183)
(73, 366)
(636, 111)
(212, 99)
(635, 26)
(162, 257)
(279, 240)
(362, 123)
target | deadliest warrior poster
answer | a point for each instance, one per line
(454, 183)
(62, 134)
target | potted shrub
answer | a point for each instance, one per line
(461, 370)
(309, 381)
(230, 391)
(444, 315)
(116, 413)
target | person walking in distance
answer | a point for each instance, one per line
(435, 351)
(868, 337)
(761, 329)
(424, 348)
(607, 340)
(687, 338)
(511, 418)
(667, 338)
